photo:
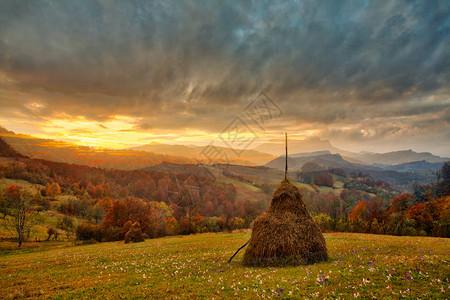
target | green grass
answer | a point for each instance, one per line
(41, 221)
(320, 189)
(238, 183)
(360, 265)
(30, 187)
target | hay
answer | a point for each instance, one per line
(135, 234)
(285, 234)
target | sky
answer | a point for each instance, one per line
(366, 75)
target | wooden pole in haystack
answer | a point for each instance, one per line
(285, 177)
(285, 168)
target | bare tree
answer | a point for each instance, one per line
(17, 208)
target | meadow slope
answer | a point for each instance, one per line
(360, 265)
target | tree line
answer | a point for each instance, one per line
(102, 205)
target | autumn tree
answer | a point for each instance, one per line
(17, 208)
(425, 215)
(53, 190)
(50, 231)
(86, 231)
(443, 184)
(95, 212)
(324, 180)
(359, 212)
(172, 226)
(401, 203)
(375, 207)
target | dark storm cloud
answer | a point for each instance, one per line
(196, 63)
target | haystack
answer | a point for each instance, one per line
(135, 234)
(285, 234)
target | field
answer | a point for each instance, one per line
(360, 266)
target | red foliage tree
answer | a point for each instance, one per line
(401, 203)
(425, 214)
(324, 180)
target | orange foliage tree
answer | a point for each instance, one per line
(53, 190)
(359, 212)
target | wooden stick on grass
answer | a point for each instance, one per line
(238, 250)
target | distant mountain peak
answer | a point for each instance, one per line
(8, 151)
(4, 130)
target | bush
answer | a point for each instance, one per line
(211, 224)
(112, 233)
(324, 221)
(66, 223)
(50, 231)
(74, 206)
(172, 227)
(86, 231)
(376, 227)
(237, 223)
(342, 225)
(324, 180)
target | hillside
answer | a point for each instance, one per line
(126, 159)
(70, 153)
(314, 146)
(155, 153)
(402, 176)
(398, 157)
(413, 167)
(327, 161)
(183, 267)
(7, 151)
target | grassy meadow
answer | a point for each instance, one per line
(360, 266)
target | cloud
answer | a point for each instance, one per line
(196, 64)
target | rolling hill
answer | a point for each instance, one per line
(314, 146)
(414, 167)
(326, 160)
(7, 151)
(402, 176)
(398, 157)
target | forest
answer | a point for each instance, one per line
(95, 204)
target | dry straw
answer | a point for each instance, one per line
(135, 234)
(285, 234)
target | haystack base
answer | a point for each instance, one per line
(285, 234)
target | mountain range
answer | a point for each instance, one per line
(314, 146)
(208, 153)
(311, 149)
(324, 159)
